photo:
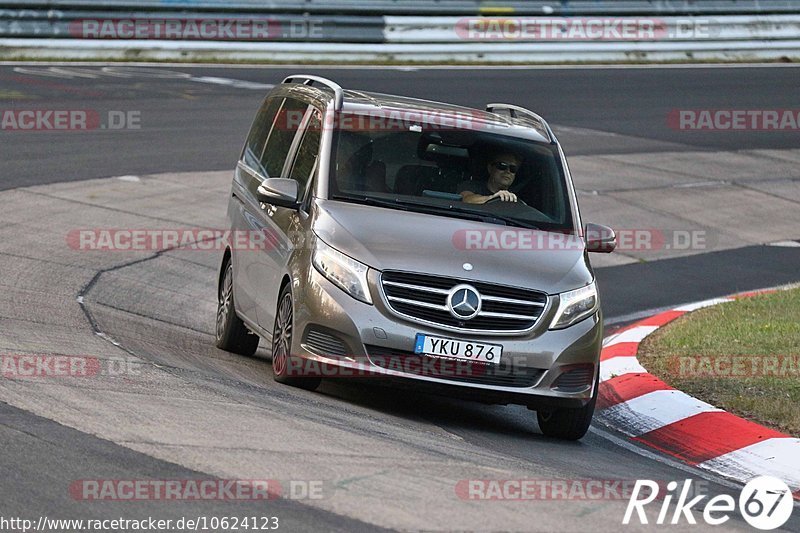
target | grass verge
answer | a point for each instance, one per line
(742, 356)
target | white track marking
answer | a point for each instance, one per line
(785, 244)
(655, 410)
(241, 84)
(133, 72)
(137, 72)
(705, 303)
(779, 457)
(618, 366)
(635, 334)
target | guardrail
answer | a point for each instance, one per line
(427, 7)
(592, 29)
(471, 31)
(388, 53)
(77, 24)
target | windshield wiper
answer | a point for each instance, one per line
(484, 216)
(370, 200)
(513, 221)
(422, 208)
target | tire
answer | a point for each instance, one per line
(282, 335)
(231, 333)
(567, 423)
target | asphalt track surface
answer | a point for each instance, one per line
(197, 126)
(189, 125)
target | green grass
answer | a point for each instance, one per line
(756, 329)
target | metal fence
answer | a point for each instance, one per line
(425, 7)
(402, 30)
(280, 27)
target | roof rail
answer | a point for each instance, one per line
(515, 110)
(307, 79)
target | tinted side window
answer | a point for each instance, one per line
(281, 137)
(305, 160)
(259, 131)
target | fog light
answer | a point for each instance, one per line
(574, 378)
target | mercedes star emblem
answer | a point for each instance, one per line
(464, 302)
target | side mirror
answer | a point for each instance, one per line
(600, 238)
(282, 192)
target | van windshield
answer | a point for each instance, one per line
(453, 172)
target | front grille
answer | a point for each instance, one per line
(424, 297)
(324, 343)
(503, 375)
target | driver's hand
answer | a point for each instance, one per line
(505, 196)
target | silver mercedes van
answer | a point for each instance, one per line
(430, 245)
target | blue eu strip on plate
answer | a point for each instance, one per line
(419, 343)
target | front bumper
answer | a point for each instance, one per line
(373, 342)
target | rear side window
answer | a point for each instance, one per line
(257, 139)
(305, 161)
(281, 137)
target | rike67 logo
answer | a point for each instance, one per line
(766, 503)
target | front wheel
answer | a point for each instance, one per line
(286, 368)
(567, 423)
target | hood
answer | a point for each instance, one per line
(390, 239)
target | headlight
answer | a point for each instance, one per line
(574, 306)
(345, 272)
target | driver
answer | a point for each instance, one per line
(502, 170)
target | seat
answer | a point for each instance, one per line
(451, 173)
(375, 177)
(413, 179)
(539, 190)
(351, 173)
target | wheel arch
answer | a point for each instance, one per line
(226, 256)
(284, 282)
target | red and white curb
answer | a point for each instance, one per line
(652, 413)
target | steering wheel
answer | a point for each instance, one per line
(497, 199)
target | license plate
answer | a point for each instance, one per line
(456, 349)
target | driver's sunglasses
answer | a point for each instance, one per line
(502, 165)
